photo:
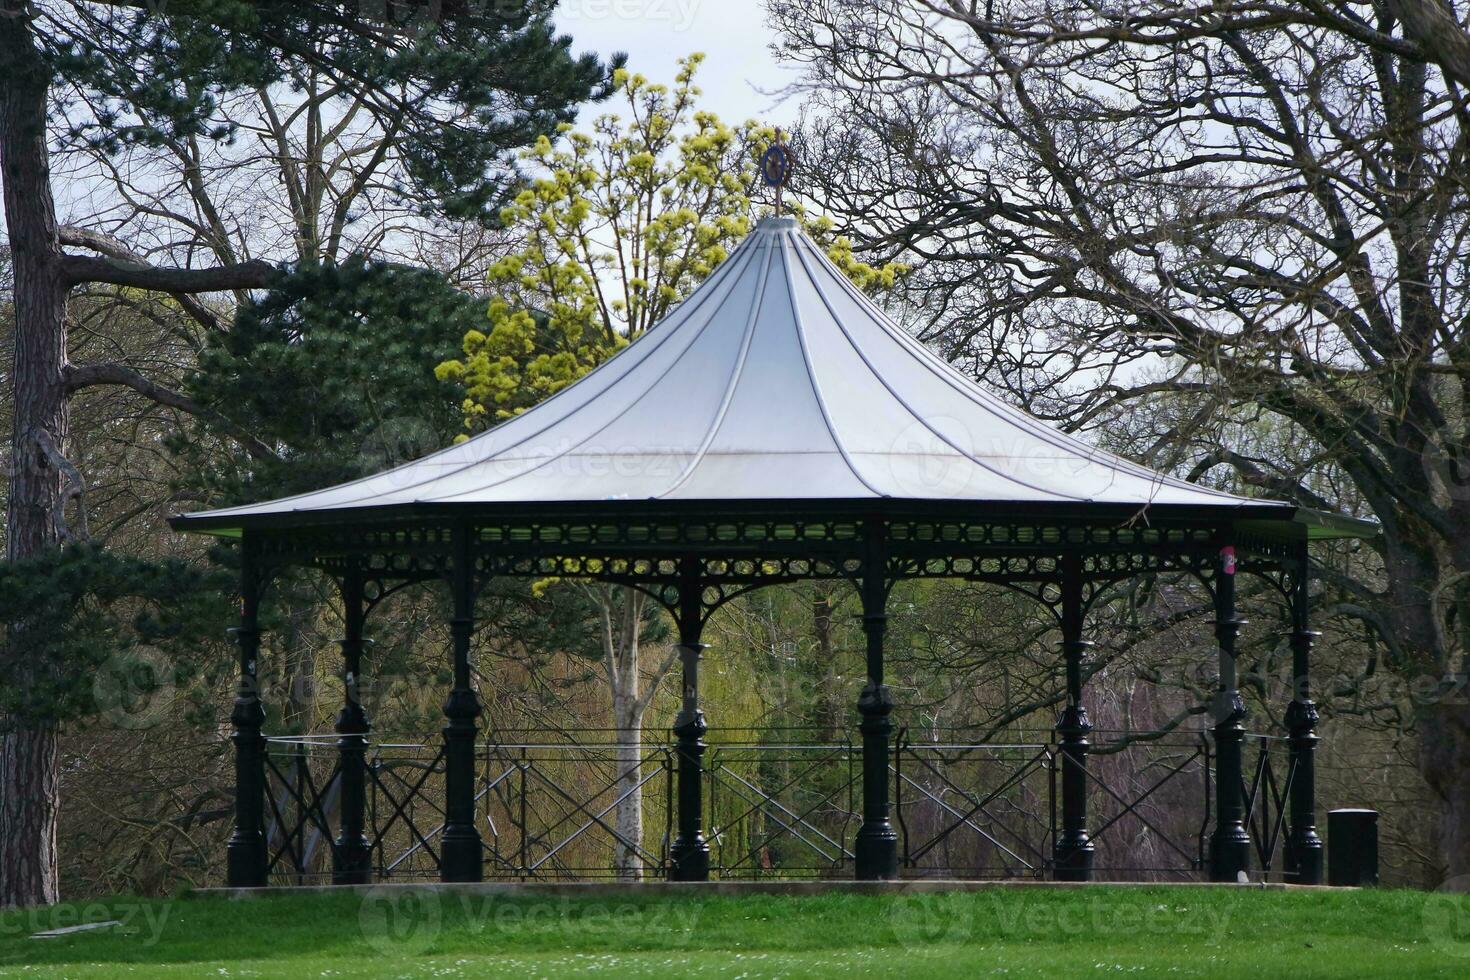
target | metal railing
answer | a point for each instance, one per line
(974, 810)
(584, 804)
(1266, 795)
(780, 805)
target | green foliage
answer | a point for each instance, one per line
(99, 626)
(333, 370)
(457, 83)
(619, 224)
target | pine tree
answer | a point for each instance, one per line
(463, 81)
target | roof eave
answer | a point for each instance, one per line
(1269, 516)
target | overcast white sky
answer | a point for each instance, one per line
(732, 34)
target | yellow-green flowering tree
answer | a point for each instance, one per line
(619, 224)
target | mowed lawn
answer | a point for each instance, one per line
(1019, 932)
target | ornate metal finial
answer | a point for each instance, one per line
(776, 166)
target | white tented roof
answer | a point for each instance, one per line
(775, 380)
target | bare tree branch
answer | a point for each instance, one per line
(254, 274)
(79, 376)
(115, 248)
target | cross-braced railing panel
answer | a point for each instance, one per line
(1150, 804)
(301, 797)
(781, 806)
(973, 810)
(1266, 795)
(589, 804)
(576, 805)
(406, 808)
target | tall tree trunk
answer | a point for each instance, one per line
(34, 521)
(830, 709)
(621, 613)
(628, 817)
(1444, 745)
(1431, 645)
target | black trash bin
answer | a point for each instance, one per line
(1352, 848)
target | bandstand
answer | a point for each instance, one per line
(776, 427)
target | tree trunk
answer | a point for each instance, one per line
(628, 817)
(830, 707)
(621, 629)
(1444, 745)
(1429, 647)
(34, 520)
(29, 786)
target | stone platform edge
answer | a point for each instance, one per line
(622, 889)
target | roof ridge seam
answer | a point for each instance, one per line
(910, 409)
(811, 372)
(698, 332)
(245, 509)
(735, 375)
(975, 393)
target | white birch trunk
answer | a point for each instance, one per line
(621, 612)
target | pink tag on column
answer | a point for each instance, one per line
(1227, 559)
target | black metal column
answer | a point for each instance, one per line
(1303, 845)
(876, 850)
(1230, 844)
(462, 851)
(689, 854)
(245, 863)
(1073, 849)
(352, 859)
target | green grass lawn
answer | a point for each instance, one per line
(1019, 933)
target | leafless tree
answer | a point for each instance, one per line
(1243, 224)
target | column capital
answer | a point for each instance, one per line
(352, 720)
(1228, 709)
(462, 705)
(1074, 722)
(1301, 714)
(690, 725)
(248, 713)
(875, 699)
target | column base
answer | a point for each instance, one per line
(462, 857)
(1230, 855)
(1304, 858)
(876, 853)
(462, 852)
(352, 862)
(1072, 859)
(689, 861)
(245, 861)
